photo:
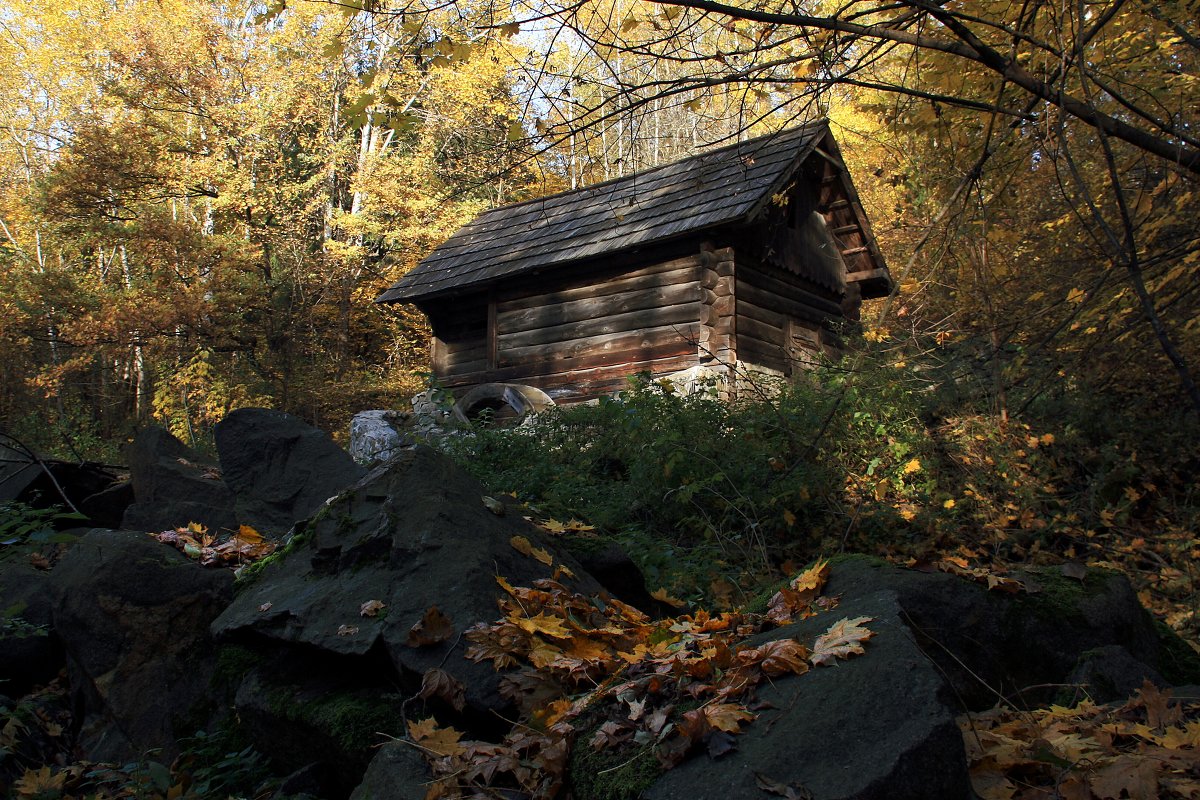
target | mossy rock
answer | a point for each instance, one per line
(620, 774)
(1179, 663)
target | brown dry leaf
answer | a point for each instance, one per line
(433, 628)
(40, 782)
(843, 639)
(525, 547)
(777, 658)
(248, 535)
(1136, 776)
(371, 608)
(347, 630)
(442, 741)
(787, 791)
(438, 683)
(727, 717)
(1073, 569)
(1160, 712)
(661, 596)
(794, 599)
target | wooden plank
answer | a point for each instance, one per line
(590, 308)
(773, 318)
(579, 348)
(491, 334)
(750, 327)
(795, 289)
(437, 355)
(463, 346)
(678, 348)
(753, 351)
(679, 270)
(463, 368)
(784, 305)
(577, 380)
(866, 275)
(616, 323)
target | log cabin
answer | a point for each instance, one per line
(754, 256)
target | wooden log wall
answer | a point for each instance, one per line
(718, 332)
(778, 312)
(584, 339)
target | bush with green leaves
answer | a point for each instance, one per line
(684, 481)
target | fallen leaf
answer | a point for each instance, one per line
(371, 608)
(661, 596)
(347, 630)
(441, 741)
(438, 683)
(544, 624)
(718, 744)
(791, 791)
(1073, 569)
(434, 627)
(843, 639)
(493, 505)
(779, 657)
(727, 716)
(265, 607)
(524, 547)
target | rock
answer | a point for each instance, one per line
(133, 616)
(413, 534)
(377, 436)
(397, 771)
(315, 781)
(991, 644)
(1108, 674)
(280, 468)
(174, 485)
(880, 725)
(106, 508)
(17, 472)
(30, 653)
(319, 715)
(611, 566)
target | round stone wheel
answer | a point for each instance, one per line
(510, 403)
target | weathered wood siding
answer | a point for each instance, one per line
(780, 316)
(580, 338)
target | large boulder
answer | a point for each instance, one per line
(30, 653)
(398, 770)
(281, 468)
(1020, 646)
(413, 534)
(379, 435)
(174, 485)
(133, 616)
(880, 726)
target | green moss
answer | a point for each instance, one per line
(352, 720)
(610, 775)
(252, 572)
(1059, 596)
(233, 662)
(1178, 662)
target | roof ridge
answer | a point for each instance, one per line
(761, 139)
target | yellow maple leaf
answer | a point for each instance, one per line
(442, 741)
(912, 466)
(843, 639)
(661, 596)
(543, 624)
(525, 547)
(727, 716)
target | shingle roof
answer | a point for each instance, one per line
(719, 187)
